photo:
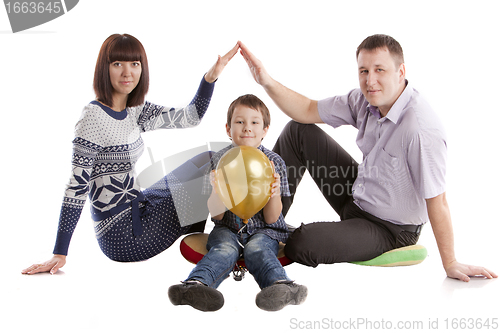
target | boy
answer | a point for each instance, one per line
(248, 121)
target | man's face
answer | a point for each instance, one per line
(380, 80)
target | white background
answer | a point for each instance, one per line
(46, 78)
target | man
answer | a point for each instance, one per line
(383, 202)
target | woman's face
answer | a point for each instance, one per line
(124, 76)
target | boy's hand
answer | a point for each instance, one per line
(212, 180)
(276, 186)
(215, 205)
(272, 209)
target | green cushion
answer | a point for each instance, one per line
(404, 256)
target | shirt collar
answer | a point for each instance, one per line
(260, 147)
(373, 110)
(398, 109)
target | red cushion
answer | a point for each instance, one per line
(194, 247)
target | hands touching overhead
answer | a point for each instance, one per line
(255, 65)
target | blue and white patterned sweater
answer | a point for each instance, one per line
(106, 147)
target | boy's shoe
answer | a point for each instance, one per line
(281, 294)
(196, 294)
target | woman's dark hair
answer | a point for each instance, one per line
(120, 48)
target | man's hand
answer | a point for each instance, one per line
(463, 272)
(440, 217)
(255, 65)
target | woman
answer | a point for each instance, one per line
(130, 225)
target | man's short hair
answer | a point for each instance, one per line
(380, 42)
(253, 102)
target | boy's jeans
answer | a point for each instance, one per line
(259, 251)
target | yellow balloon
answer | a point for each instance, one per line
(243, 179)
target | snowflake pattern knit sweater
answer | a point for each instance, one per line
(106, 147)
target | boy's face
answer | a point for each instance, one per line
(247, 127)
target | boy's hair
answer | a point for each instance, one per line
(380, 42)
(253, 102)
(120, 48)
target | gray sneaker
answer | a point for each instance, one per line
(197, 295)
(281, 294)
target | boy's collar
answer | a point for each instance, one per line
(260, 147)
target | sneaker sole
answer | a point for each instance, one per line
(276, 297)
(200, 297)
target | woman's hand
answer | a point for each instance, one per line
(214, 72)
(52, 265)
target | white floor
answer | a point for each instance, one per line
(93, 294)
